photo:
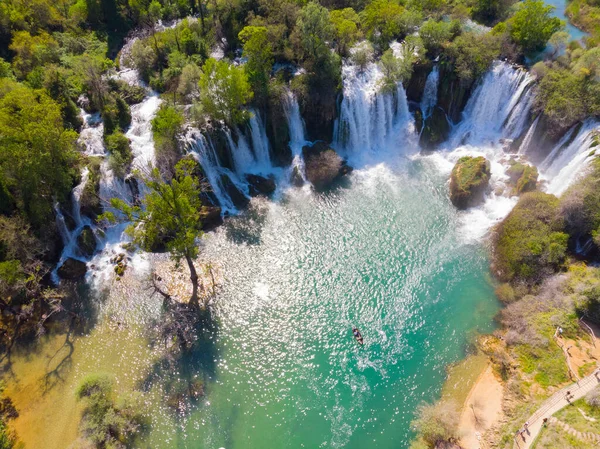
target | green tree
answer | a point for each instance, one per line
(345, 23)
(395, 69)
(120, 153)
(32, 51)
(385, 20)
(530, 243)
(532, 25)
(472, 53)
(224, 91)
(315, 30)
(258, 50)
(169, 213)
(167, 127)
(434, 35)
(37, 154)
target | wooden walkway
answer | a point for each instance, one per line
(552, 405)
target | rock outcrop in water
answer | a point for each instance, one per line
(469, 180)
(72, 269)
(260, 185)
(436, 130)
(86, 241)
(522, 176)
(323, 166)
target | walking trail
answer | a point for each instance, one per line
(552, 405)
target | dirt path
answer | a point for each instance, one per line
(553, 404)
(482, 409)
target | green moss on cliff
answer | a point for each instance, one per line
(530, 243)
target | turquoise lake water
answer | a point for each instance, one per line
(385, 252)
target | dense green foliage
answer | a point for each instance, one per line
(532, 25)
(166, 127)
(224, 90)
(531, 243)
(108, 421)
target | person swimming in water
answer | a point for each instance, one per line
(357, 335)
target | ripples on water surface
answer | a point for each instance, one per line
(384, 253)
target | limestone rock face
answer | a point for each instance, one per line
(436, 130)
(469, 180)
(72, 269)
(323, 166)
(210, 217)
(237, 196)
(259, 185)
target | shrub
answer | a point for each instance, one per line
(120, 153)
(108, 421)
(593, 398)
(530, 243)
(437, 423)
(471, 54)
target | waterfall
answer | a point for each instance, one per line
(243, 159)
(91, 136)
(61, 225)
(295, 123)
(370, 120)
(568, 160)
(430, 94)
(140, 131)
(297, 132)
(260, 143)
(76, 196)
(498, 108)
(527, 140)
(204, 152)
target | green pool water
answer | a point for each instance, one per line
(385, 252)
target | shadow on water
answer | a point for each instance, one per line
(189, 358)
(76, 315)
(246, 228)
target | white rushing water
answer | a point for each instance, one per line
(569, 158)
(498, 108)
(297, 130)
(260, 143)
(204, 152)
(430, 93)
(371, 122)
(529, 136)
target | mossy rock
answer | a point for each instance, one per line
(469, 181)
(523, 177)
(90, 204)
(323, 166)
(86, 241)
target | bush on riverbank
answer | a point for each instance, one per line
(109, 420)
(436, 424)
(530, 243)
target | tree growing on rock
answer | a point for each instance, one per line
(170, 215)
(224, 90)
